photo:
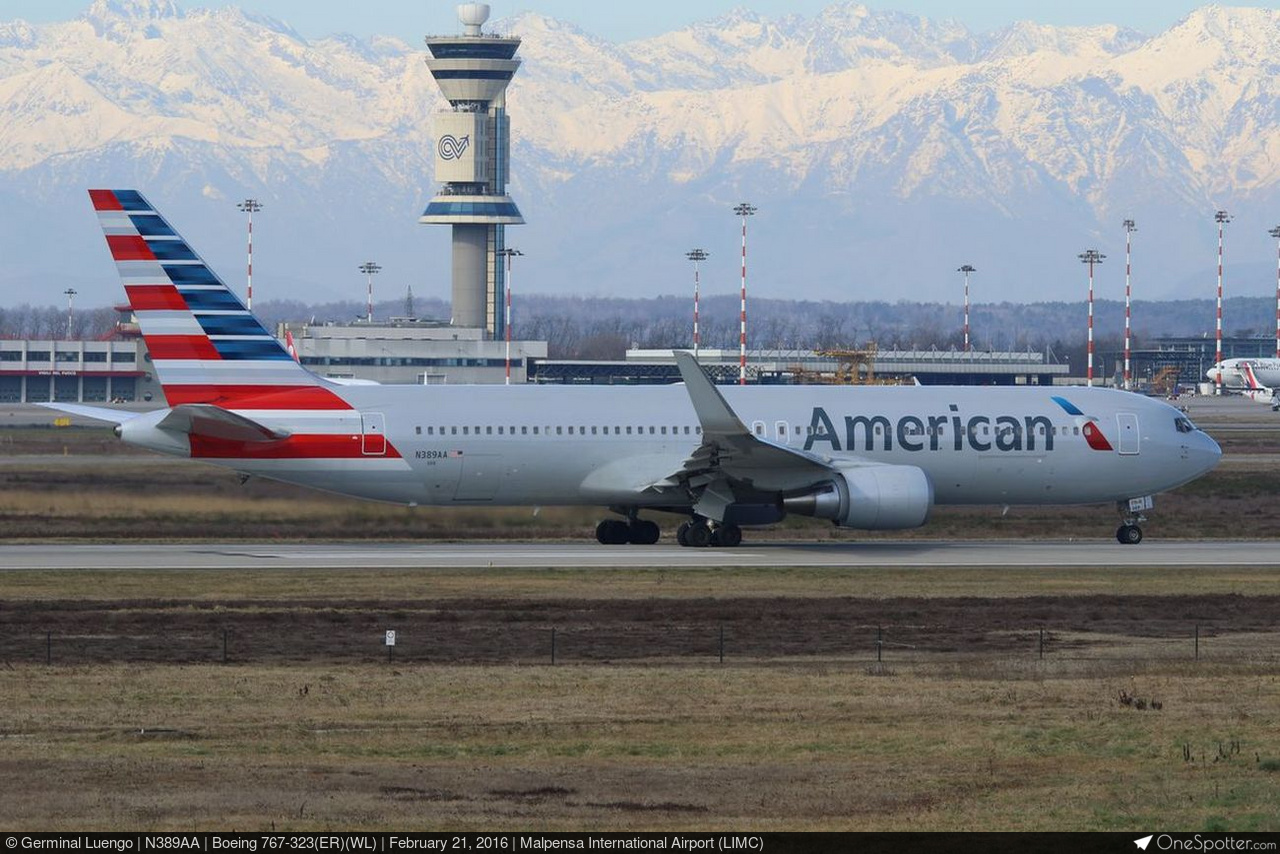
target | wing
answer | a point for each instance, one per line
(732, 464)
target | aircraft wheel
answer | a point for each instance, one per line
(612, 532)
(1129, 535)
(698, 536)
(681, 534)
(726, 536)
(644, 533)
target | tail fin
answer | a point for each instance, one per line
(289, 346)
(205, 346)
(1250, 379)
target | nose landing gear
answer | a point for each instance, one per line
(1129, 533)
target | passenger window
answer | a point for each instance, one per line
(535, 431)
(651, 431)
(628, 430)
(418, 430)
(664, 430)
(593, 430)
(559, 431)
(524, 431)
(464, 431)
(488, 431)
(453, 430)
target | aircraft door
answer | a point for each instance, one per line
(1128, 424)
(374, 439)
(782, 433)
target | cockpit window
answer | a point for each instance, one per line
(1184, 425)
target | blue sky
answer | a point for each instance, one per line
(623, 21)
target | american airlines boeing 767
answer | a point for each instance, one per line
(723, 458)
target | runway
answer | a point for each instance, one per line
(214, 556)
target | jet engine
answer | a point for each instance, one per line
(871, 497)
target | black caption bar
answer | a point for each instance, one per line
(537, 843)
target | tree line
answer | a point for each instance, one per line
(605, 327)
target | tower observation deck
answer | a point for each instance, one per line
(473, 147)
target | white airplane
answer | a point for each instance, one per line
(862, 457)
(1255, 379)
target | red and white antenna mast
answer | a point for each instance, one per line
(696, 256)
(743, 210)
(369, 269)
(509, 254)
(1221, 218)
(1275, 232)
(250, 206)
(1091, 257)
(1129, 229)
(966, 269)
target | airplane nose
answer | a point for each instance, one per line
(1204, 453)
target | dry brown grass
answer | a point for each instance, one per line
(789, 747)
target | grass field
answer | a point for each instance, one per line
(992, 737)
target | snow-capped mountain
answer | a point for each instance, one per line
(882, 149)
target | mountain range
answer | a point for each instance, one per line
(882, 150)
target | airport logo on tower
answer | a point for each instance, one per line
(451, 147)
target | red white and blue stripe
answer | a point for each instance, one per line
(207, 347)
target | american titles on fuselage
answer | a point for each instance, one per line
(928, 433)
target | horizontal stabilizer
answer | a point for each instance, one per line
(214, 422)
(98, 413)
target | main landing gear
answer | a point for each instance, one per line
(616, 532)
(699, 533)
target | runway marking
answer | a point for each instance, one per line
(851, 556)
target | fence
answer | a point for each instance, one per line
(437, 643)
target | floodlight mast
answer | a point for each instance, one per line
(250, 206)
(696, 256)
(1091, 257)
(369, 268)
(1275, 232)
(1221, 218)
(510, 253)
(1129, 228)
(743, 210)
(966, 269)
(71, 295)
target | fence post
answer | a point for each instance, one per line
(879, 644)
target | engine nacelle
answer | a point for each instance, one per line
(874, 497)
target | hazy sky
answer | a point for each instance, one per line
(623, 21)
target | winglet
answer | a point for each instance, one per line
(714, 413)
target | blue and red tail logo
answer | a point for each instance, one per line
(1090, 429)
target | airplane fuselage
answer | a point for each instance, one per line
(547, 445)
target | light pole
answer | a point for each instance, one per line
(71, 295)
(509, 254)
(250, 206)
(369, 268)
(1275, 232)
(696, 256)
(1091, 257)
(1129, 228)
(1221, 218)
(966, 269)
(743, 210)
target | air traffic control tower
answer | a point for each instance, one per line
(473, 147)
